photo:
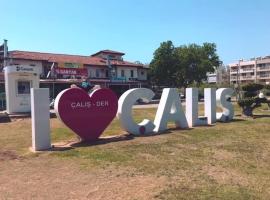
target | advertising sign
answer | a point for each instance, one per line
(70, 65)
(71, 71)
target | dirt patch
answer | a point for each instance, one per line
(187, 146)
(8, 155)
(223, 155)
(226, 176)
(47, 178)
(138, 187)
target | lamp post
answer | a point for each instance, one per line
(237, 80)
(255, 70)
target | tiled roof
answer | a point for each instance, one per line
(107, 51)
(51, 57)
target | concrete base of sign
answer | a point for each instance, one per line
(40, 113)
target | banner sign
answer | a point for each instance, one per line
(71, 71)
(70, 65)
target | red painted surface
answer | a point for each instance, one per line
(87, 115)
(71, 71)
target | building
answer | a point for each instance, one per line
(211, 77)
(220, 76)
(255, 70)
(106, 68)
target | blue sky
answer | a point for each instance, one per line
(240, 28)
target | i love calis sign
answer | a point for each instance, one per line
(88, 115)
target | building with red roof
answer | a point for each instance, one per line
(106, 68)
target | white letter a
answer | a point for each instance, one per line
(169, 109)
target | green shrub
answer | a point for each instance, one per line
(252, 87)
(249, 99)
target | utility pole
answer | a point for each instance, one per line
(5, 53)
(109, 67)
(255, 70)
(237, 81)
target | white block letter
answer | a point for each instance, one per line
(222, 96)
(210, 105)
(40, 114)
(169, 109)
(124, 112)
(192, 108)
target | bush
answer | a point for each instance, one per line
(252, 87)
(246, 102)
(267, 87)
(249, 99)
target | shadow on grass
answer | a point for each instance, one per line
(126, 137)
(260, 116)
(235, 120)
(165, 132)
(110, 139)
(104, 140)
(60, 148)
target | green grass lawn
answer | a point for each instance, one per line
(224, 161)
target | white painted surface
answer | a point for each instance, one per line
(222, 96)
(17, 102)
(127, 71)
(142, 74)
(124, 113)
(192, 108)
(40, 116)
(92, 71)
(210, 105)
(169, 109)
(33, 63)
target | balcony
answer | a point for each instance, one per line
(242, 78)
(263, 76)
(246, 70)
(263, 69)
(233, 71)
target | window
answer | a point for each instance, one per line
(131, 73)
(23, 87)
(107, 73)
(97, 73)
(142, 73)
(122, 73)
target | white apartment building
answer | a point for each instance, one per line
(256, 70)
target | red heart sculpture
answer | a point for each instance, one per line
(87, 115)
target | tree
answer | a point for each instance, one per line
(163, 65)
(249, 99)
(183, 65)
